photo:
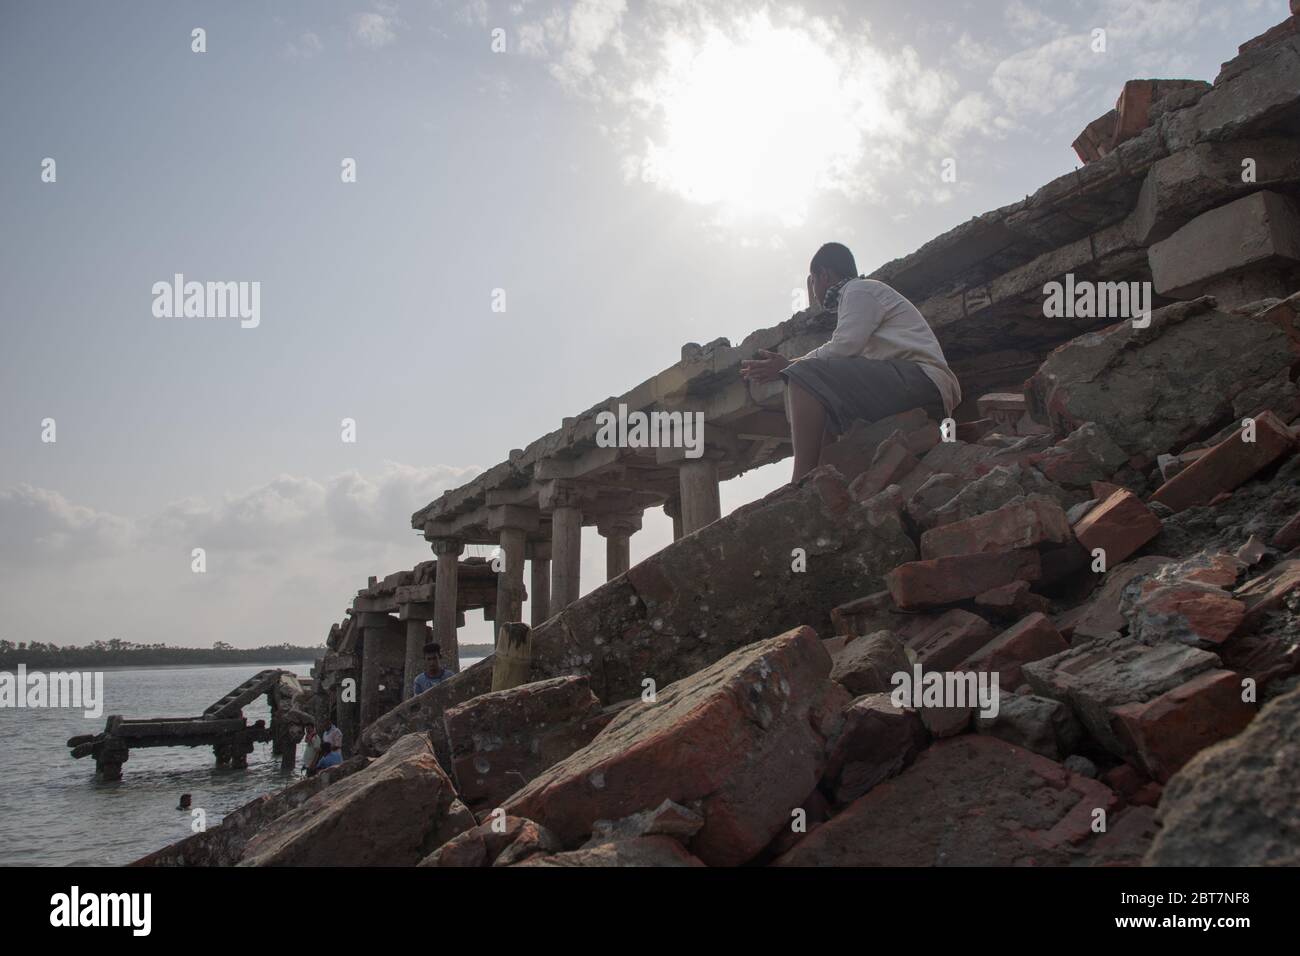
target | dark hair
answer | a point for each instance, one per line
(836, 259)
(325, 747)
(433, 647)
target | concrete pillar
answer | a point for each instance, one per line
(383, 654)
(617, 530)
(539, 584)
(673, 509)
(447, 551)
(417, 635)
(371, 649)
(513, 524)
(566, 544)
(701, 504)
(510, 580)
(347, 709)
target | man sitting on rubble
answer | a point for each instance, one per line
(330, 734)
(882, 359)
(329, 757)
(434, 672)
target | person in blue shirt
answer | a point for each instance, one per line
(434, 672)
(329, 757)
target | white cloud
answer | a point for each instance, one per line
(750, 114)
(474, 13)
(289, 511)
(374, 30)
(40, 524)
(973, 113)
(972, 54)
(345, 507)
(304, 47)
(1030, 22)
(1038, 80)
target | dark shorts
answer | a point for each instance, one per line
(854, 388)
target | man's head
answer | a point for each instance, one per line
(325, 749)
(322, 725)
(432, 659)
(833, 263)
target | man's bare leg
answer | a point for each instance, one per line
(807, 428)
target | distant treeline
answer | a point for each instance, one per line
(113, 653)
(476, 650)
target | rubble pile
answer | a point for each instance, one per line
(1063, 629)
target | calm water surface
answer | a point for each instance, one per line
(53, 813)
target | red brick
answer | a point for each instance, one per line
(1199, 612)
(1013, 598)
(1288, 536)
(971, 800)
(1262, 657)
(1264, 593)
(952, 638)
(1220, 570)
(1101, 490)
(892, 461)
(920, 584)
(1119, 526)
(1134, 107)
(1100, 614)
(1166, 732)
(878, 740)
(1020, 523)
(1124, 780)
(1028, 640)
(850, 618)
(1147, 795)
(1227, 465)
(1005, 408)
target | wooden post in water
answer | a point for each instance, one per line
(514, 656)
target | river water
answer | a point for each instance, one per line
(53, 813)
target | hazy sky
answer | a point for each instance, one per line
(633, 175)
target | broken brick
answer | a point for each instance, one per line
(1021, 523)
(1119, 525)
(1288, 536)
(955, 636)
(920, 584)
(1031, 639)
(1014, 598)
(892, 461)
(1164, 733)
(1265, 593)
(1227, 465)
(867, 663)
(1012, 807)
(1187, 612)
(877, 741)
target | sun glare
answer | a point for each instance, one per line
(756, 120)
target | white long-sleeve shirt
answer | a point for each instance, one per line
(877, 322)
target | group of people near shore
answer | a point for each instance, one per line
(324, 742)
